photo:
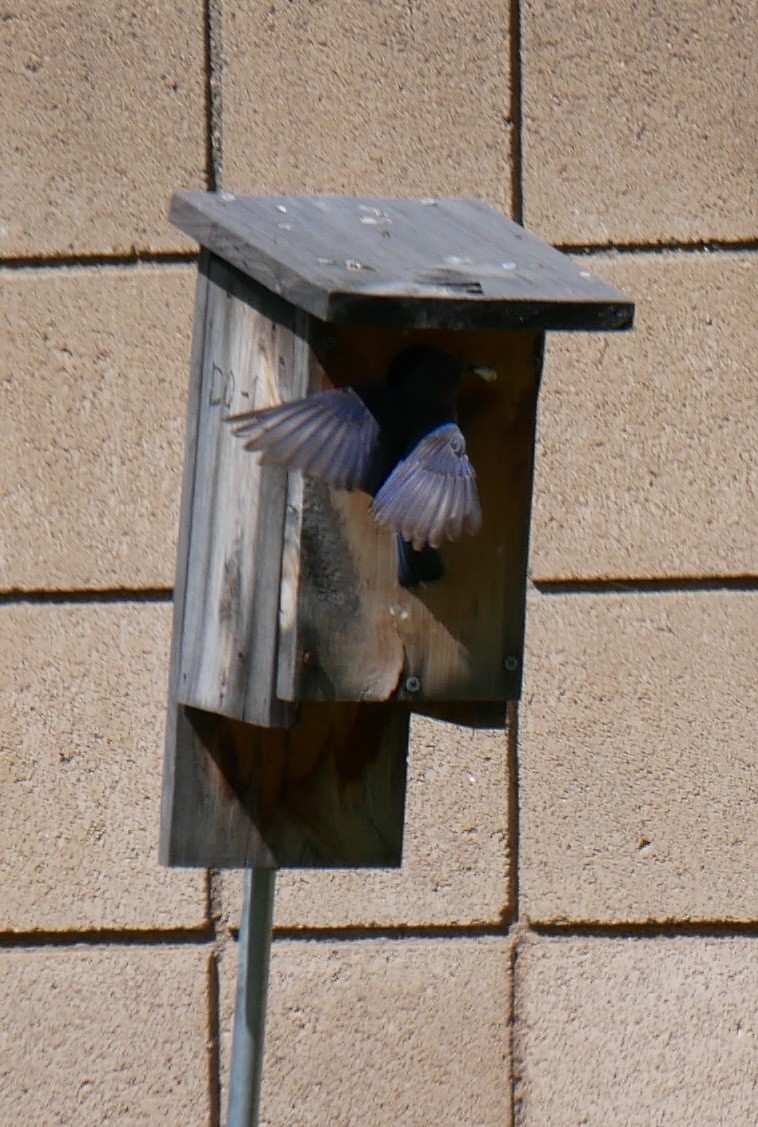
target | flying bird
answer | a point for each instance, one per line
(397, 440)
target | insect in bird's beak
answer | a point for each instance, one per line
(489, 375)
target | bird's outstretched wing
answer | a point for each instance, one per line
(331, 436)
(431, 495)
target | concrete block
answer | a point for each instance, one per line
(639, 121)
(456, 859)
(384, 1032)
(92, 404)
(643, 1032)
(104, 115)
(370, 98)
(82, 704)
(105, 1035)
(638, 758)
(646, 461)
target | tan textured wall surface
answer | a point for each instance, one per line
(436, 1054)
(95, 386)
(572, 937)
(647, 460)
(105, 1035)
(640, 120)
(636, 1031)
(396, 99)
(639, 785)
(103, 114)
(81, 695)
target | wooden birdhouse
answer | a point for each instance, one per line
(297, 655)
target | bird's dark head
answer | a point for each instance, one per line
(424, 366)
(421, 366)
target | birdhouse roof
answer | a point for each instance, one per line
(401, 263)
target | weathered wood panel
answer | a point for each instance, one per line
(237, 507)
(440, 263)
(184, 789)
(203, 822)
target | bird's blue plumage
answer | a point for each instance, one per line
(398, 441)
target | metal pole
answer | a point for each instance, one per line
(250, 1005)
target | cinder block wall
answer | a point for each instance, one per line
(573, 937)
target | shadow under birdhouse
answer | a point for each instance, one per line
(327, 792)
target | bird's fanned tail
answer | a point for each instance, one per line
(414, 567)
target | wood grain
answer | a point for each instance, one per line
(237, 508)
(238, 792)
(183, 785)
(294, 648)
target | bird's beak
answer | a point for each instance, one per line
(489, 375)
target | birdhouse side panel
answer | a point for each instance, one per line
(252, 357)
